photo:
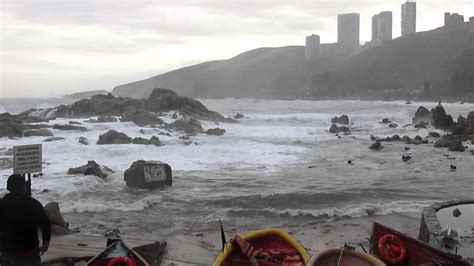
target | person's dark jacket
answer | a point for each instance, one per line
(20, 218)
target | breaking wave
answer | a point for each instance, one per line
(367, 209)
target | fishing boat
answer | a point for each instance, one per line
(396, 248)
(344, 256)
(268, 247)
(118, 254)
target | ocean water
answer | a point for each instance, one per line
(258, 171)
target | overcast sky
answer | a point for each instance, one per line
(51, 48)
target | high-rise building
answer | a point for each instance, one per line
(453, 19)
(348, 27)
(408, 18)
(382, 27)
(312, 48)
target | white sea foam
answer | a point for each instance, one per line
(361, 210)
(276, 134)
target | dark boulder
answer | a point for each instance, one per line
(440, 119)
(386, 121)
(11, 126)
(74, 123)
(41, 132)
(422, 115)
(70, 127)
(114, 137)
(152, 141)
(376, 146)
(335, 129)
(189, 126)
(148, 175)
(457, 146)
(58, 224)
(343, 119)
(445, 141)
(141, 118)
(140, 140)
(393, 125)
(215, 131)
(238, 116)
(434, 134)
(83, 141)
(91, 168)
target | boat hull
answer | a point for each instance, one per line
(115, 250)
(270, 239)
(343, 257)
(417, 252)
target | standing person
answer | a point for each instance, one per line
(20, 218)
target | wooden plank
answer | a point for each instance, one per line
(77, 247)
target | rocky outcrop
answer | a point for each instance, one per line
(91, 168)
(148, 175)
(166, 100)
(343, 119)
(114, 137)
(215, 131)
(160, 100)
(70, 127)
(58, 224)
(189, 126)
(440, 119)
(11, 126)
(141, 118)
(41, 132)
(422, 115)
(152, 141)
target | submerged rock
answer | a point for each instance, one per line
(376, 146)
(152, 141)
(91, 168)
(70, 127)
(215, 131)
(83, 141)
(335, 129)
(189, 126)
(434, 134)
(148, 175)
(114, 137)
(41, 132)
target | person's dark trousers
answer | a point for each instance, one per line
(31, 259)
